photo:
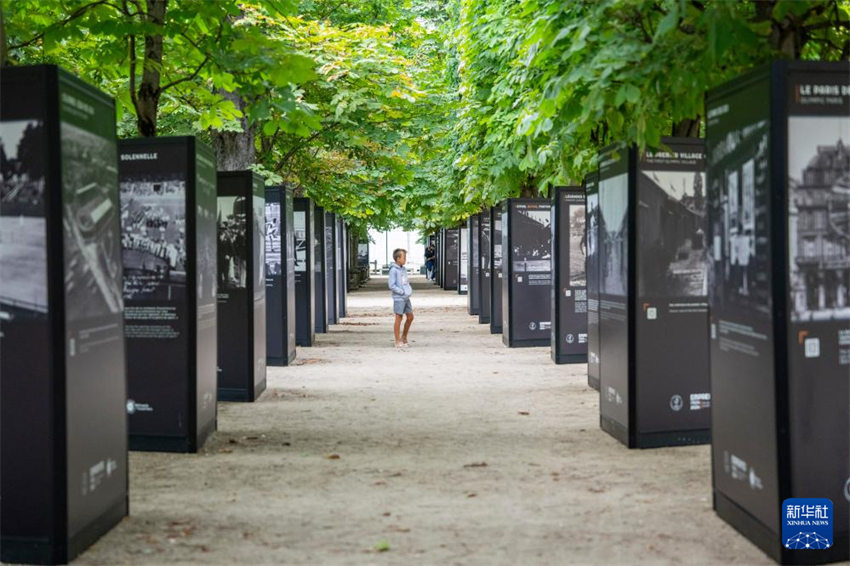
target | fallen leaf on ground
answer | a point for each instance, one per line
(524, 413)
(333, 457)
(472, 495)
(382, 546)
(225, 451)
(476, 465)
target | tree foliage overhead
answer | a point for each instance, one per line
(416, 112)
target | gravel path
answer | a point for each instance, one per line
(456, 451)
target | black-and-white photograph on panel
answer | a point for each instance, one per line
(299, 224)
(259, 208)
(592, 242)
(613, 234)
(819, 217)
(739, 275)
(273, 241)
(674, 250)
(578, 246)
(531, 238)
(232, 259)
(93, 267)
(153, 227)
(23, 245)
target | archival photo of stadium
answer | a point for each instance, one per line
(819, 217)
(671, 234)
(23, 246)
(531, 237)
(232, 243)
(153, 238)
(93, 267)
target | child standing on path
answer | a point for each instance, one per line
(399, 284)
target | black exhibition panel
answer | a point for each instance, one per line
(452, 263)
(473, 266)
(496, 272)
(241, 286)
(320, 267)
(779, 219)
(569, 279)
(169, 289)
(280, 277)
(63, 422)
(441, 258)
(330, 267)
(485, 269)
(340, 248)
(303, 224)
(463, 260)
(527, 269)
(591, 189)
(653, 311)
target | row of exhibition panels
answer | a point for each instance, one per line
(139, 287)
(707, 288)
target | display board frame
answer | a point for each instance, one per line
(320, 267)
(452, 259)
(473, 269)
(463, 261)
(330, 267)
(591, 188)
(569, 276)
(280, 277)
(63, 362)
(305, 271)
(527, 269)
(652, 206)
(242, 288)
(485, 268)
(498, 275)
(169, 291)
(779, 433)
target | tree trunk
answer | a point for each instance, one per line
(234, 151)
(687, 128)
(147, 98)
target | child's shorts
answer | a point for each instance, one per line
(402, 306)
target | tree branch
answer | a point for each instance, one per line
(73, 16)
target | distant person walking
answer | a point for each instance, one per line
(430, 255)
(399, 284)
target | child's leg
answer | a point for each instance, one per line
(397, 329)
(407, 324)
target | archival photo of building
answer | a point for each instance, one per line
(23, 246)
(613, 234)
(531, 237)
(93, 267)
(153, 237)
(671, 232)
(819, 217)
(232, 243)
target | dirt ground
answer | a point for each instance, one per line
(456, 451)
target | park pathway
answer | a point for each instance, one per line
(456, 451)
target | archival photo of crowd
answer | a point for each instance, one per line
(738, 195)
(273, 241)
(531, 238)
(207, 275)
(613, 234)
(91, 223)
(153, 237)
(23, 246)
(671, 233)
(578, 246)
(232, 243)
(819, 217)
